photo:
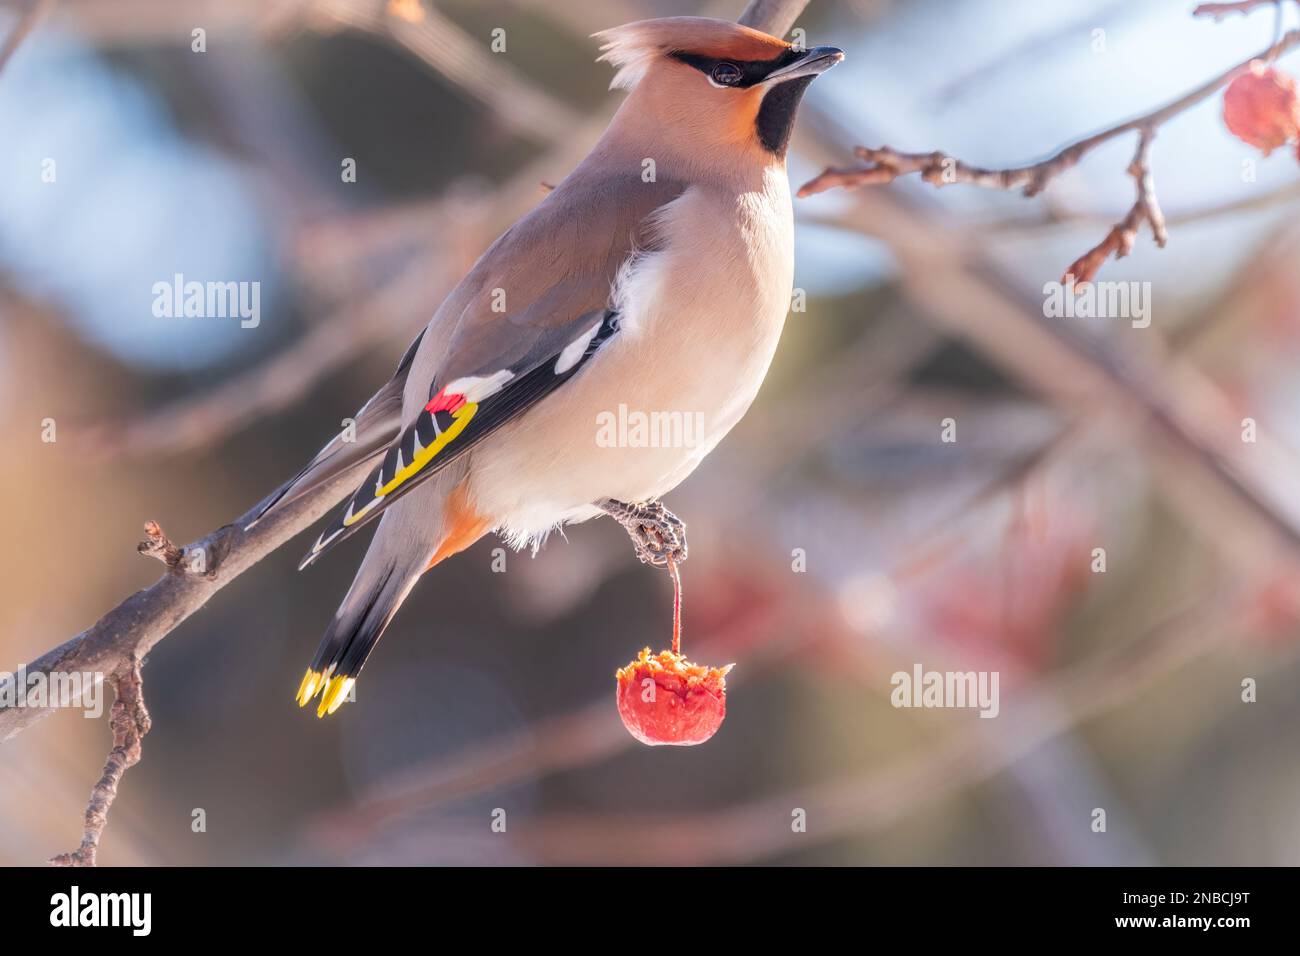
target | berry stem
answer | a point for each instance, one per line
(677, 606)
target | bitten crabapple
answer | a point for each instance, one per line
(665, 699)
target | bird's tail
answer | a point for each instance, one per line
(432, 523)
(370, 432)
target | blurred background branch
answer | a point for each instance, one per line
(27, 21)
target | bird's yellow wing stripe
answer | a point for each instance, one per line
(459, 419)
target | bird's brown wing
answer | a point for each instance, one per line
(528, 294)
(532, 310)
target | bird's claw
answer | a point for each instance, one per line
(658, 536)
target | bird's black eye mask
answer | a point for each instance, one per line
(737, 74)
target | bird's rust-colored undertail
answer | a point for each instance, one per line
(464, 526)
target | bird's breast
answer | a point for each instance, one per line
(700, 317)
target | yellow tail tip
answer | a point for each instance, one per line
(311, 682)
(334, 694)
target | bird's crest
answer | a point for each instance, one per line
(633, 47)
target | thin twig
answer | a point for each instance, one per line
(129, 720)
(885, 164)
(938, 169)
(941, 169)
(157, 545)
(1220, 10)
(1146, 209)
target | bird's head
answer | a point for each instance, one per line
(720, 84)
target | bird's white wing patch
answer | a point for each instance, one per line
(573, 352)
(475, 389)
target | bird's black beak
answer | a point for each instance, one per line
(817, 60)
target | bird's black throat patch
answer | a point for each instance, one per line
(776, 114)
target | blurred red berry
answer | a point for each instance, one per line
(665, 699)
(1261, 108)
(1272, 610)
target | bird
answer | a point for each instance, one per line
(655, 277)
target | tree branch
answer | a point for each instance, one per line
(772, 16)
(130, 630)
(884, 165)
(1220, 10)
(157, 545)
(117, 643)
(1146, 209)
(130, 722)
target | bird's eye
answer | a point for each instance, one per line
(727, 74)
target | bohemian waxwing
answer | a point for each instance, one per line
(655, 277)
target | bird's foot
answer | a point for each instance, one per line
(657, 534)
